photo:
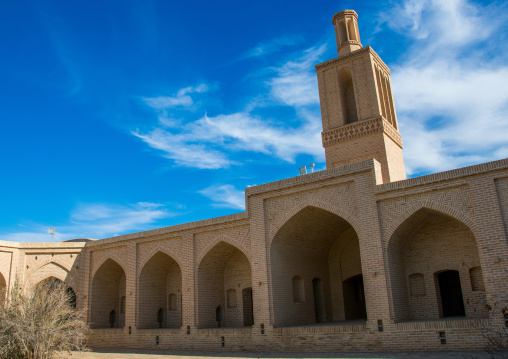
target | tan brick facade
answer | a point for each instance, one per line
(355, 257)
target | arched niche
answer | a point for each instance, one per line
(54, 270)
(348, 99)
(225, 270)
(108, 288)
(427, 243)
(311, 256)
(160, 293)
(49, 281)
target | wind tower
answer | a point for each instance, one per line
(357, 110)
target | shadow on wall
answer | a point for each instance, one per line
(316, 270)
(224, 288)
(108, 296)
(434, 269)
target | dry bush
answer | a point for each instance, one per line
(495, 333)
(39, 322)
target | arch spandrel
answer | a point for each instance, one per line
(236, 236)
(98, 261)
(223, 239)
(172, 246)
(338, 200)
(399, 220)
(59, 272)
(56, 260)
(154, 251)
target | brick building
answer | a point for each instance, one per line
(355, 257)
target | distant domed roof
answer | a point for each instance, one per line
(80, 240)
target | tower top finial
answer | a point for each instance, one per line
(346, 31)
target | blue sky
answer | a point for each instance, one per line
(122, 116)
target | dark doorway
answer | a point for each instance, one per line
(72, 297)
(248, 309)
(160, 317)
(219, 317)
(450, 290)
(319, 300)
(354, 298)
(112, 319)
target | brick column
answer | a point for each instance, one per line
(490, 236)
(86, 261)
(130, 286)
(260, 275)
(189, 280)
(371, 251)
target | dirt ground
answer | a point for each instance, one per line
(166, 354)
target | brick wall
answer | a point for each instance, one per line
(325, 227)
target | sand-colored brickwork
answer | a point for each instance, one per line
(355, 257)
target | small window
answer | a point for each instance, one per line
(231, 297)
(122, 305)
(417, 284)
(172, 301)
(298, 290)
(477, 279)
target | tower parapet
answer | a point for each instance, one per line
(357, 108)
(346, 31)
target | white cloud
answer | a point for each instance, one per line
(296, 82)
(451, 97)
(97, 221)
(181, 98)
(181, 149)
(207, 142)
(225, 196)
(210, 142)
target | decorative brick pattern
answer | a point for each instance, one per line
(359, 129)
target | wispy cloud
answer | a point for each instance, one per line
(295, 83)
(182, 149)
(182, 98)
(97, 221)
(451, 99)
(225, 196)
(211, 142)
(270, 47)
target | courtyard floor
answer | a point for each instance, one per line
(166, 354)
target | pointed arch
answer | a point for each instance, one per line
(107, 289)
(344, 213)
(429, 238)
(428, 204)
(153, 252)
(309, 245)
(111, 256)
(159, 278)
(52, 269)
(224, 267)
(52, 280)
(226, 239)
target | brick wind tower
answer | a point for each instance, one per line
(357, 110)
